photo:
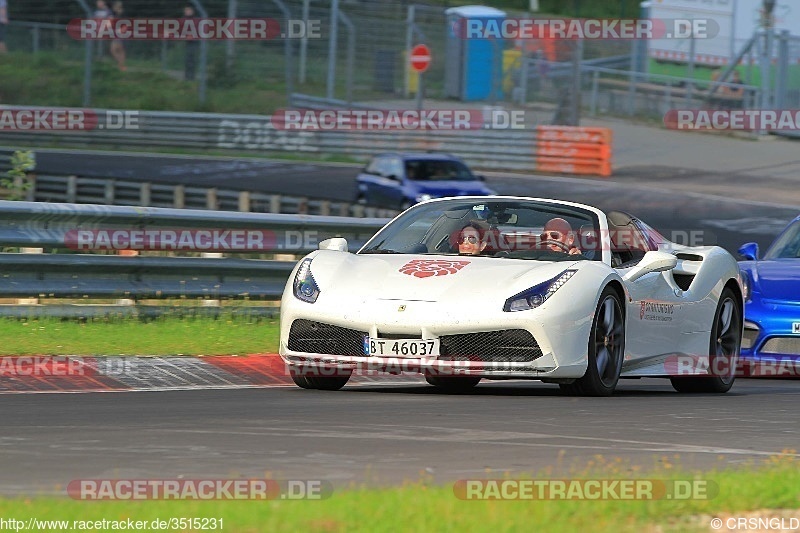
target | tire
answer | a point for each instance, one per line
(453, 384)
(321, 382)
(300, 381)
(606, 349)
(328, 382)
(723, 349)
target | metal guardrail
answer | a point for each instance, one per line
(560, 69)
(139, 311)
(111, 191)
(113, 276)
(42, 224)
(307, 101)
(486, 149)
(631, 92)
(83, 275)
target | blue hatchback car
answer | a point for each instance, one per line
(400, 180)
(772, 303)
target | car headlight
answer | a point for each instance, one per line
(745, 285)
(305, 287)
(423, 197)
(536, 296)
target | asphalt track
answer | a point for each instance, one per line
(336, 182)
(384, 434)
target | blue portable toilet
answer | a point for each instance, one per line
(474, 66)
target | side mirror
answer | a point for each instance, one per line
(480, 177)
(392, 177)
(749, 251)
(652, 262)
(336, 243)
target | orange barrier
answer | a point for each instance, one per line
(573, 150)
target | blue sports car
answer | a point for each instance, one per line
(400, 180)
(771, 339)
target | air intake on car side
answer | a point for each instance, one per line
(315, 337)
(782, 345)
(510, 345)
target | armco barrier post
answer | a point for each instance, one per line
(574, 150)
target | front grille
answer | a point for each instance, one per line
(316, 337)
(782, 345)
(505, 346)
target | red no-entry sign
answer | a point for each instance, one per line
(420, 58)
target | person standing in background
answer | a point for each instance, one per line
(103, 16)
(117, 46)
(191, 48)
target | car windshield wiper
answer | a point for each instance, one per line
(380, 251)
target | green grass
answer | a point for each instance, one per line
(46, 79)
(421, 506)
(255, 85)
(163, 336)
(705, 73)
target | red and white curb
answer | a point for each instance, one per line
(60, 374)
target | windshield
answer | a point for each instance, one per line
(787, 245)
(437, 170)
(516, 229)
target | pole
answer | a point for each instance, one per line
(420, 89)
(201, 90)
(87, 75)
(304, 41)
(351, 54)
(690, 70)
(35, 38)
(87, 61)
(782, 75)
(764, 66)
(230, 53)
(287, 53)
(576, 83)
(409, 38)
(334, 17)
(766, 52)
(523, 82)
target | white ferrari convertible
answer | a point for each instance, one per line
(471, 288)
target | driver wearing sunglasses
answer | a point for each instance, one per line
(558, 236)
(470, 239)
